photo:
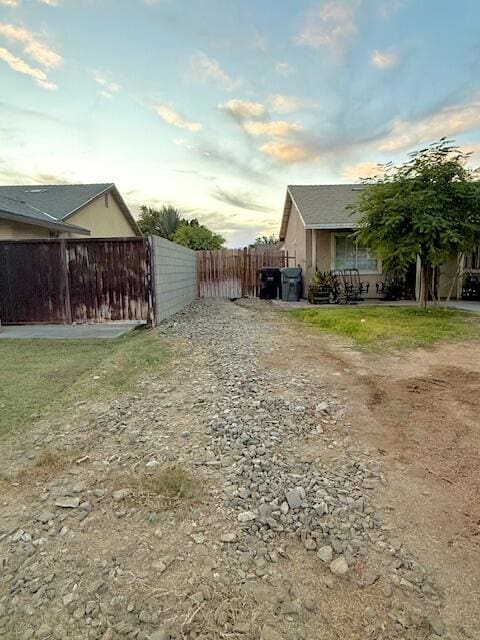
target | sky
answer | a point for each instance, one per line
(215, 106)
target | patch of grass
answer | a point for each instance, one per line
(168, 486)
(383, 327)
(38, 377)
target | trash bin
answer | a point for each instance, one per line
(291, 283)
(269, 283)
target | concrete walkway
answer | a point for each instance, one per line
(67, 331)
(465, 305)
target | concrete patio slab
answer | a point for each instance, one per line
(67, 331)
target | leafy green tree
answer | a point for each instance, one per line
(428, 207)
(198, 237)
(160, 222)
(264, 241)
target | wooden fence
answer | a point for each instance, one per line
(69, 280)
(235, 273)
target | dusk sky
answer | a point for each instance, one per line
(216, 105)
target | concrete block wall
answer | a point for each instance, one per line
(174, 276)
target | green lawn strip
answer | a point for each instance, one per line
(41, 376)
(384, 327)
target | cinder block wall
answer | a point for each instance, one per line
(175, 276)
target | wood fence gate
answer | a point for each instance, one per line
(69, 280)
(235, 273)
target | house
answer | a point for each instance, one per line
(74, 210)
(317, 228)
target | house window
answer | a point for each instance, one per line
(106, 200)
(348, 254)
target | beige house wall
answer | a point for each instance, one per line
(295, 240)
(10, 230)
(103, 221)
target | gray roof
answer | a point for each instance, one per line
(20, 211)
(59, 200)
(321, 206)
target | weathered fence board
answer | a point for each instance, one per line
(70, 280)
(235, 273)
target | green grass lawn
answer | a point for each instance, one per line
(386, 327)
(42, 376)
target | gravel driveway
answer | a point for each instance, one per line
(282, 541)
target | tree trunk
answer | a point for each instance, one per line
(425, 272)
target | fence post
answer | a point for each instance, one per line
(66, 278)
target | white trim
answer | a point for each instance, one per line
(334, 225)
(363, 272)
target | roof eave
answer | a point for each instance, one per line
(333, 225)
(56, 226)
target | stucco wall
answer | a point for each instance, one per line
(175, 276)
(295, 239)
(103, 222)
(10, 230)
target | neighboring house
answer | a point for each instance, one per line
(53, 211)
(317, 229)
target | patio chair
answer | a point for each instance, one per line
(353, 285)
(471, 287)
(340, 291)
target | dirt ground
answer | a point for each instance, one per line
(421, 412)
(252, 405)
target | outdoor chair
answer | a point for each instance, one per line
(340, 291)
(471, 287)
(354, 286)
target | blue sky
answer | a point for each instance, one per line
(216, 105)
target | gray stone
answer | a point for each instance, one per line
(228, 537)
(120, 494)
(294, 499)
(436, 625)
(339, 566)
(269, 633)
(45, 517)
(67, 502)
(246, 516)
(325, 553)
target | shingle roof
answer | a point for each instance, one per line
(322, 205)
(22, 212)
(58, 201)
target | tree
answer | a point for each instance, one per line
(196, 236)
(160, 222)
(264, 241)
(428, 207)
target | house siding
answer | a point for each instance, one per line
(10, 230)
(103, 222)
(296, 240)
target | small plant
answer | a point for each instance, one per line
(321, 287)
(169, 485)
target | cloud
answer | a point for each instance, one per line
(243, 108)
(284, 68)
(208, 69)
(361, 170)
(10, 3)
(449, 121)
(272, 128)
(107, 87)
(240, 200)
(287, 152)
(384, 59)
(331, 25)
(169, 115)
(285, 104)
(40, 52)
(19, 65)
(50, 3)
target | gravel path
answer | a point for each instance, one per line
(282, 541)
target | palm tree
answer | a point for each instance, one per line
(160, 222)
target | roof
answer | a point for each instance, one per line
(18, 211)
(59, 201)
(322, 206)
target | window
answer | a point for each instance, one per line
(347, 254)
(106, 200)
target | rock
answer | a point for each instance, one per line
(246, 516)
(369, 613)
(161, 634)
(120, 494)
(44, 631)
(339, 566)
(436, 625)
(45, 517)
(310, 605)
(228, 537)
(294, 499)
(288, 608)
(269, 633)
(198, 538)
(325, 553)
(67, 503)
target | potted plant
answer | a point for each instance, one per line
(321, 288)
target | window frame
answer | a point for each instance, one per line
(333, 254)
